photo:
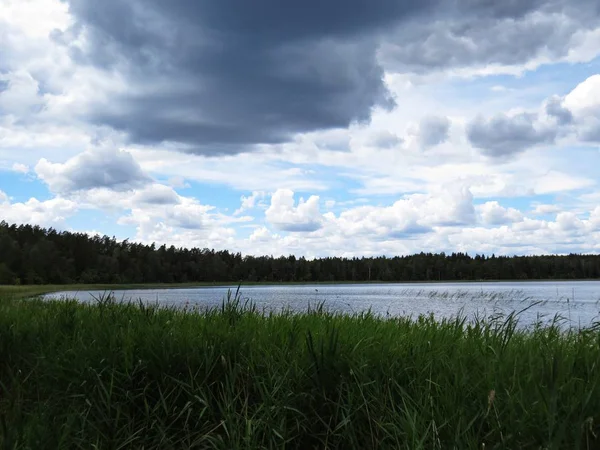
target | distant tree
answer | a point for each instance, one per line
(33, 255)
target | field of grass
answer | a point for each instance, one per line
(117, 376)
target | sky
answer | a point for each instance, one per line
(339, 128)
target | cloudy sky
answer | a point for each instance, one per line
(315, 128)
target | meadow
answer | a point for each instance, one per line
(109, 375)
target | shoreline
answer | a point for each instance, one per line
(38, 290)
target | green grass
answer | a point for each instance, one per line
(115, 376)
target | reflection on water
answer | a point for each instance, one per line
(577, 302)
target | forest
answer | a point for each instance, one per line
(34, 255)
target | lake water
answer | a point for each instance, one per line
(577, 302)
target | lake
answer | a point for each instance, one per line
(577, 302)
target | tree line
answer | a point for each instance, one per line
(34, 255)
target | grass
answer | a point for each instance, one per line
(120, 376)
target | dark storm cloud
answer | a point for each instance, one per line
(219, 76)
(504, 135)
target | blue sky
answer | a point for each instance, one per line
(421, 129)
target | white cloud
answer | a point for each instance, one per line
(413, 214)
(330, 204)
(49, 213)
(584, 103)
(262, 234)
(21, 98)
(284, 215)
(545, 209)
(20, 168)
(251, 201)
(492, 213)
(94, 168)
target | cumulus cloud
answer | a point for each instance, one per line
(492, 213)
(184, 213)
(412, 215)
(577, 115)
(433, 130)
(96, 168)
(584, 103)
(262, 234)
(503, 135)
(48, 213)
(285, 216)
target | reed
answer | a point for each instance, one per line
(115, 375)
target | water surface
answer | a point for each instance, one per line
(577, 302)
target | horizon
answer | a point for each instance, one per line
(358, 129)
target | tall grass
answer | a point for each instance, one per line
(117, 376)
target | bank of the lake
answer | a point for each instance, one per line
(132, 376)
(30, 290)
(576, 302)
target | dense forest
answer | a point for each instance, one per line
(34, 255)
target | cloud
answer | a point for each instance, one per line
(283, 215)
(262, 234)
(555, 108)
(411, 224)
(96, 168)
(433, 130)
(412, 215)
(493, 37)
(584, 103)
(217, 77)
(250, 202)
(384, 139)
(20, 168)
(504, 135)
(49, 213)
(156, 194)
(545, 209)
(157, 207)
(492, 213)
(19, 97)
